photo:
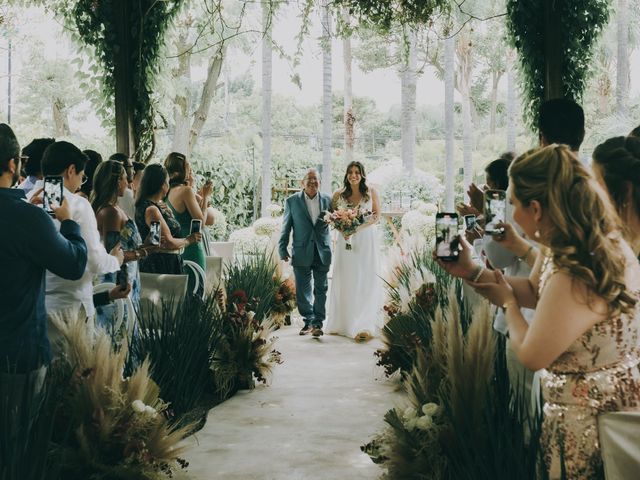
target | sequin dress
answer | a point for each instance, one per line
(598, 373)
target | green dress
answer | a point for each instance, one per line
(194, 252)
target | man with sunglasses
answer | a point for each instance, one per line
(67, 161)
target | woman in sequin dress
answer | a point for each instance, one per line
(584, 288)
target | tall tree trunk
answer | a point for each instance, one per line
(60, 119)
(463, 79)
(449, 86)
(327, 99)
(349, 118)
(267, 75)
(511, 101)
(495, 81)
(408, 100)
(622, 70)
(182, 100)
(208, 92)
(227, 98)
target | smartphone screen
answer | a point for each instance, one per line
(154, 232)
(495, 210)
(447, 239)
(469, 222)
(53, 193)
(195, 225)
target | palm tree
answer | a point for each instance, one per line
(449, 175)
(327, 100)
(267, 74)
(622, 69)
(348, 115)
(408, 100)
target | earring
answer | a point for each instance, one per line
(536, 234)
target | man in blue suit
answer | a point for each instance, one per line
(311, 256)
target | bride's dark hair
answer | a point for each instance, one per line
(364, 190)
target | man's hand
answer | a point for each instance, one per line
(63, 213)
(119, 291)
(117, 252)
(36, 198)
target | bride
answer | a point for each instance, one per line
(356, 298)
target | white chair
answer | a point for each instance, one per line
(198, 275)
(222, 249)
(154, 288)
(213, 271)
(121, 304)
(619, 434)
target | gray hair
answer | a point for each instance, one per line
(312, 170)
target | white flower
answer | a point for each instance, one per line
(250, 315)
(138, 406)
(424, 423)
(430, 409)
(411, 424)
(410, 413)
(150, 411)
(274, 210)
(267, 226)
(219, 217)
(247, 240)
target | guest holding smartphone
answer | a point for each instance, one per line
(184, 203)
(150, 208)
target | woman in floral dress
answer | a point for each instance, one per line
(585, 289)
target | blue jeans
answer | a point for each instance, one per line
(312, 301)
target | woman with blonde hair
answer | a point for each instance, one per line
(584, 287)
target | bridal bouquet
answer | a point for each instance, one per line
(346, 220)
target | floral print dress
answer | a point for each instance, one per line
(598, 373)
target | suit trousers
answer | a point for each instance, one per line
(311, 291)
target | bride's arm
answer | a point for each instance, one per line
(375, 210)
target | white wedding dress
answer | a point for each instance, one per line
(356, 294)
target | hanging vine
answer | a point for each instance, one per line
(582, 22)
(148, 22)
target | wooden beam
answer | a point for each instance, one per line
(554, 68)
(123, 78)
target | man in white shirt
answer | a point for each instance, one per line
(66, 160)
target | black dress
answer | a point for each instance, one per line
(159, 262)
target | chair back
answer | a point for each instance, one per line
(620, 444)
(154, 288)
(213, 271)
(224, 250)
(200, 279)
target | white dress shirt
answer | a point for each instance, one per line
(61, 294)
(313, 206)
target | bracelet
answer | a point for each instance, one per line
(477, 274)
(510, 302)
(524, 257)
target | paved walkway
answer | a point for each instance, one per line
(326, 400)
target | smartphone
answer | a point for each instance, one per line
(447, 238)
(495, 210)
(469, 222)
(154, 233)
(53, 193)
(122, 277)
(195, 225)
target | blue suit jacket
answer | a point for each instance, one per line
(307, 237)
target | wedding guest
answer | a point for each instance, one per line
(94, 159)
(66, 160)
(115, 227)
(33, 246)
(150, 207)
(585, 291)
(184, 204)
(127, 201)
(33, 167)
(616, 165)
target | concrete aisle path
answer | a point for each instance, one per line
(326, 400)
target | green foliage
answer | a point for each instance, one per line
(253, 274)
(582, 22)
(148, 21)
(384, 13)
(179, 339)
